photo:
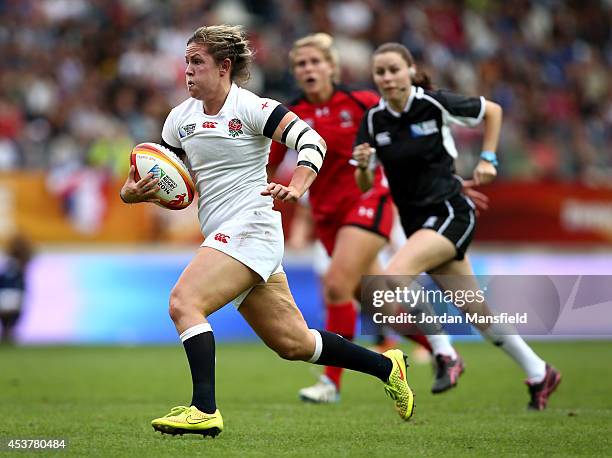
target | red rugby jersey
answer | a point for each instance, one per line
(337, 121)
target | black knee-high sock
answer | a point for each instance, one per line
(339, 352)
(200, 349)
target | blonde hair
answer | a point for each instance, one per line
(324, 43)
(226, 42)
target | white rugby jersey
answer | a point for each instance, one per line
(227, 153)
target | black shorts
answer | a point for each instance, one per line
(9, 319)
(454, 218)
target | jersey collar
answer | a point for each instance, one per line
(231, 96)
(413, 90)
(229, 100)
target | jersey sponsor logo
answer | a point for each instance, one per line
(187, 129)
(431, 221)
(365, 211)
(346, 119)
(320, 112)
(209, 124)
(223, 238)
(234, 127)
(383, 139)
(424, 128)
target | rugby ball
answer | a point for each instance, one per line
(176, 186)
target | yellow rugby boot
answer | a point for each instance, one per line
(189, 420)
(397, 386)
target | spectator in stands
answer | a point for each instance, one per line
(552, 75)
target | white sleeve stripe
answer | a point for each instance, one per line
(449, 142)
(483, 105)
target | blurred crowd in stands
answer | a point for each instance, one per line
(81, 81)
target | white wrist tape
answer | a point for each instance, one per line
(307, 142)
(311, 155)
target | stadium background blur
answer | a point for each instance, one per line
(96, 355)
(81, 82)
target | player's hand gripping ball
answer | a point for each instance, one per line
(176, 189)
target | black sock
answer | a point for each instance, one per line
(339, 352)
(200, 351)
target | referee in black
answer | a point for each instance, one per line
(409, 133)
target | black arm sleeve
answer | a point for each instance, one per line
(274, 120)
(458, 105)
(178, 151)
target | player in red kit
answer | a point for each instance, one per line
(344, 218)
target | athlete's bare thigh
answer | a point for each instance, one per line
(210, 280)
(272, 313)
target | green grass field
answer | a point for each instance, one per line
(101, 399)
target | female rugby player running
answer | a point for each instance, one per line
(409, 129)
(225, 132)
(344, 218)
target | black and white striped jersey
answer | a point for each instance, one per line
(416, 147)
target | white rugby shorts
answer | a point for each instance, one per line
(253, 237)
